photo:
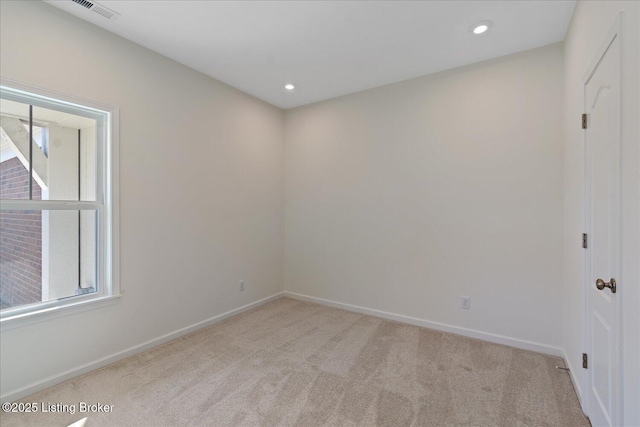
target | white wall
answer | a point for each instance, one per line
(405, 197)
(201, 176)
(591, 22)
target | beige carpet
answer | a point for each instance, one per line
(292, 363)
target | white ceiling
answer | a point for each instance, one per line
(328, 48)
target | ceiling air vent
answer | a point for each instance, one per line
(97, 8)
(84, 3)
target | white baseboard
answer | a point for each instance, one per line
(107, 360)
(574, 380)
(472, 333)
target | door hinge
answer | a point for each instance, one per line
(584, 121)
(584, 240)
(585, 363)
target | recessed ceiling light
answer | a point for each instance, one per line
(289, 86)
(481, 27)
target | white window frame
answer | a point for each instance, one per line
(106, 204)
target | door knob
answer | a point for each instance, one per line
(601, 284)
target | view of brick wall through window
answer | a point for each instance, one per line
(20, 239)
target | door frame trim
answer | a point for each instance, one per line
(616, 31)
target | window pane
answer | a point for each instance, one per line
(14, 152)
(55, 150)
(63, 150)
(70, 149)
(46, 255)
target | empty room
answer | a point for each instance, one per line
(319, 213)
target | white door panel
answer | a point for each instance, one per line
(603, 208)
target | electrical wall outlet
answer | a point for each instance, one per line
(465, 302)
(241, 285)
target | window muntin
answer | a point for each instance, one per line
(72, 200)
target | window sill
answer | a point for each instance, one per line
(24, 319)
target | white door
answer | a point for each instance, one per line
(603, 223)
